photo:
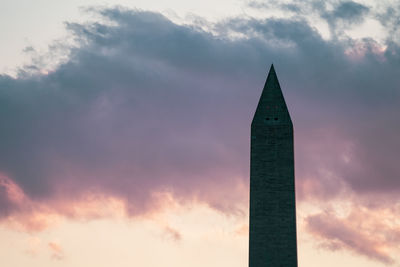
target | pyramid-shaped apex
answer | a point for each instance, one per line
(271, 108)
(271, 78)
(272, 69)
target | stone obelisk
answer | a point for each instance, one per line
(272, 237)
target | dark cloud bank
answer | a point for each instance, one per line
(145, 105)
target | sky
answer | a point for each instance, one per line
(124, 134)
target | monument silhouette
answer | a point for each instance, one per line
(272, 231)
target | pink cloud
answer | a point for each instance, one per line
(371, 233)
(242, 230)
(33, 215)
(172, 234)
(56, 250)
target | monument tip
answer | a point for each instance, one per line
(272, 70)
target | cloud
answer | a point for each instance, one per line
(242, 230)
(291, 6)
(371, 233)
(388, 16)
(339, 15)
(349, 11)
(57, 253)
(172, 234)
(144, 107)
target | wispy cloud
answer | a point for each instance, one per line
(57, 252)
(172, 234)
(372, 233)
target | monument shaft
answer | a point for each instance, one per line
(272, 237)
